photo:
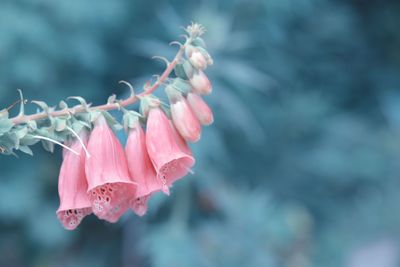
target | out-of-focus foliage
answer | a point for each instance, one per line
(300, 168)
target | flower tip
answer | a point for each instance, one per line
(140, 211)
(194, 139)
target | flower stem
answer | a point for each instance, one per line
(129, 101)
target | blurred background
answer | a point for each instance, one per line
(300, 169)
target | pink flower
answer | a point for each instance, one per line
(169, 159)
(200, 83)
(200, 109)
(185, 121)
(72, 187)
(141, 169)
(109, 184)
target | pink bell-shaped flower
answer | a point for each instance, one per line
(200, 83)
(141, 169)
(72, 186)
(109, 184)
(169, 159)
(200, 109)
(183, 118)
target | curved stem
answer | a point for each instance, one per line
(129, 101)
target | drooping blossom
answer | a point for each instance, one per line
(141, 169)
(200, 108)
(72, 186)
(109, 184)
(200, 83)
(169, 159)
(183, 118)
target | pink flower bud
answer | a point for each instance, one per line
(200, 109)
(185, 121)
(72, 187)
(169, 159)
(197, 59)
(141, 169)
(200, 83)
(109, 184)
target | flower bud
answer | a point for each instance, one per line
(183, 118)
(200, 109)
(200, 83)
(197, 59)
(206, 55)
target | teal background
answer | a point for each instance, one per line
(300, 168)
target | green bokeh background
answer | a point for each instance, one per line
(300, 168)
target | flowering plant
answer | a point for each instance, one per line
(97, 174)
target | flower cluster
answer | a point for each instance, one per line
(98, 175)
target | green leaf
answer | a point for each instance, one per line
(94, 115)
(130, 120)
(28, 140)
(180, 72)
(199, 42)
(63, 104)
(182, 85)
(42, 105)
(80, 99)
(59, 124)
(26, 150)
(8, 142)
(112, 121)
(32, 125)
(111, 99)
(21, 132)
(48, 146)
(5, 125)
